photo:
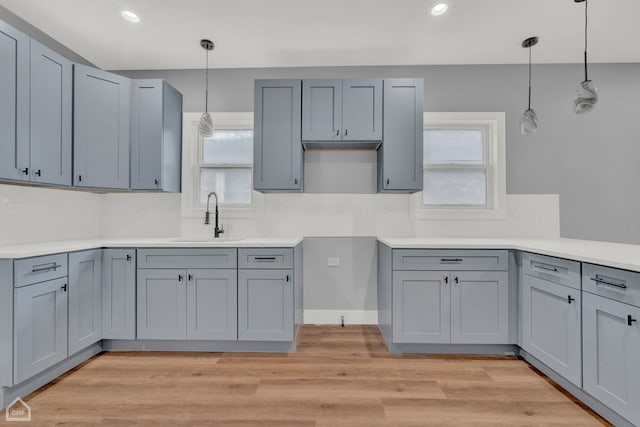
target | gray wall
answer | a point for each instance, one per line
(591, 160)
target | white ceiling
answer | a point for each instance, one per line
(293, 33)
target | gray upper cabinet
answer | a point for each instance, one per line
(119, 294)
(50, 124)
(85, 299)
(342, 112)
(156, 136)
(400, 155)
(101, 128)
(14, 104)
(278, 161)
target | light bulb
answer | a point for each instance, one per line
(529, 122)
(206, 125)
(586, 97)
(440, 8)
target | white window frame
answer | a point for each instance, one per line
(493, 127)
(192, 163)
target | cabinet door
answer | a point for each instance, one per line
(277, 155)
(162, 304)
(611, 345)
(119, 294)
(14, 104)
(212, 301)
(400, 156)
(479, 307)
(85, 299)
(40, 327)
(101, 128)
(146, 134)
(265, 305)
(362, 110)
(421, 307)
(51, 88)
(551, 326)
(322, 110)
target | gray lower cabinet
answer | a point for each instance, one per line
(14, 104)
(6, 323)
(551, 319)
(156, 136)
(265, 305)
(50, 116)
(400, 155)
(85, 299)
(341, 111)
(187, 304)
(101, 131)
(278, 156)
(119, 294)
(40, 327)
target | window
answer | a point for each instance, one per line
(222, 163)
(464, 170)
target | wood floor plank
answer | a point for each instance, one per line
(338, 377)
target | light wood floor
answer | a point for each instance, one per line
(337, 377)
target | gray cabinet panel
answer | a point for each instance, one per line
(39, 269)
(156, 136)
(85, 299)
(557, 270)
(322, 110)
(162, 304)
(479, 307)
(212, 301)
(6, 323)
(362, 110)
(551, 326)
(50, 107)
(265, 258)
(188, 258)
(620, 285)
(277, 158)
(40, 327)
(421, 307)
(400, 156)
(448, 259)
(265, 305)
(101, 128)
(14, 104)
(119, 294)
(610, 354)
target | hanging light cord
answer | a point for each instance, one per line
(206, 90)
(586, 18)
(529, 107)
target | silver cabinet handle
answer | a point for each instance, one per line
(543, 267)
(604, 282)
(41, 269)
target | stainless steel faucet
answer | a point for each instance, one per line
(217, 231)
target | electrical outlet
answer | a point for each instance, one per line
(333, 262)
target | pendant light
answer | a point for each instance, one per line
(529, 120)
(206, 124)
(587, 94)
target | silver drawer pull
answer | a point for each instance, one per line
(41, 269)
(542, 267)
(604, 282)
(451, 260)
(264, 258)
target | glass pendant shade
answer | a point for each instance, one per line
(586, 97)
(529, 122)
(206, 125)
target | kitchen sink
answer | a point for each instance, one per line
(210, 239)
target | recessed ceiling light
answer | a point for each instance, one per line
(439, 8)
(130, 16)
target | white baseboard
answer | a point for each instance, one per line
(332, 317)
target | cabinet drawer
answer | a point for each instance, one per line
(455, 259)
(620, 285)
(557, 270)
(276, 258)
(40, 269)
(188, 258)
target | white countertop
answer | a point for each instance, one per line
(616, 255)
(44, 248)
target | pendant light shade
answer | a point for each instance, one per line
(529, 120)
(206, 124)
(587, 94)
